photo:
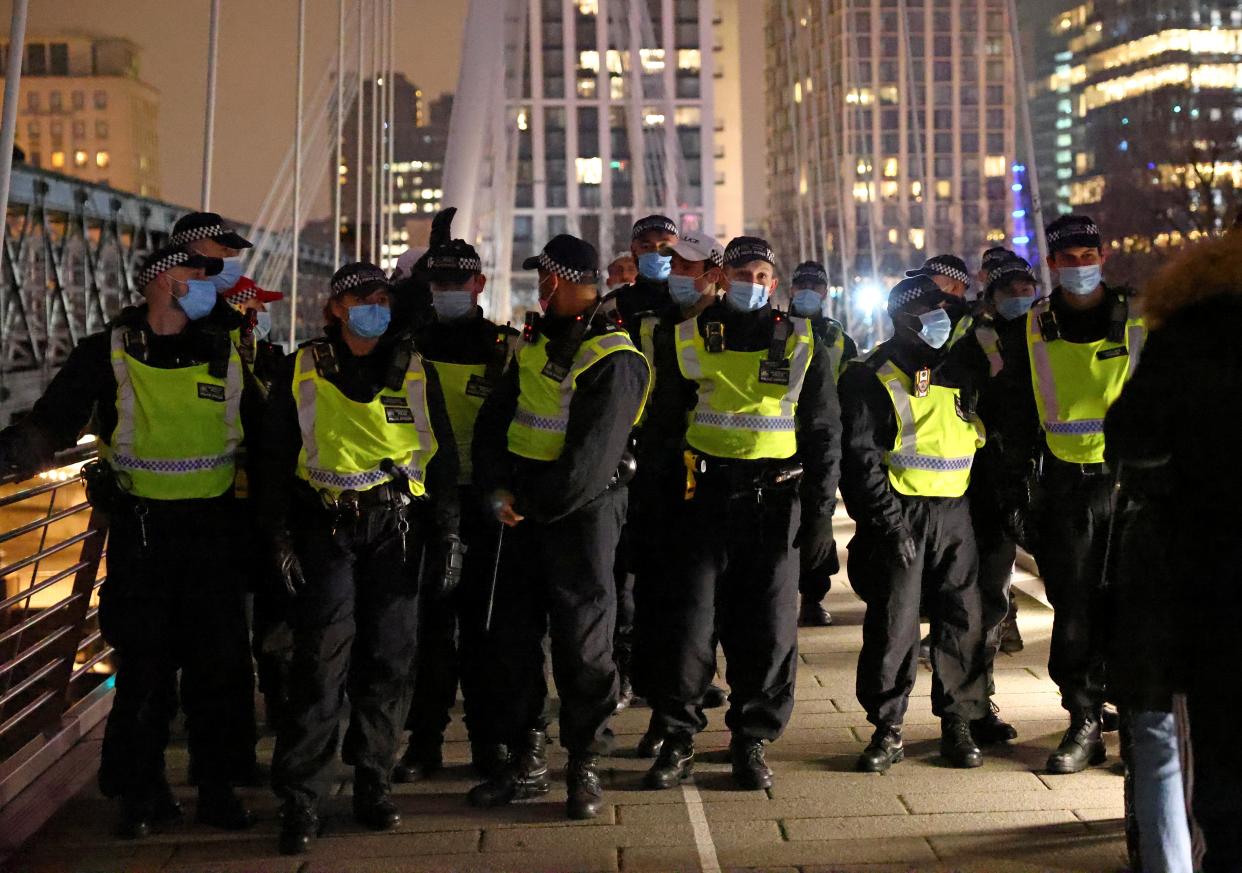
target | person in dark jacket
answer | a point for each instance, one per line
(549, 443)
(1170, 436)
(649, 292)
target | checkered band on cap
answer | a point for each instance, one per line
(238, 297)
(714, 254)
(1086, 230)
(358, 278)
(453, 262)
(569, 274)
(940, 268)
(196, 233)
(909, 290)
(747, 251)
(810, 273)
(654, 222)
(1010, 268)
(160, 265)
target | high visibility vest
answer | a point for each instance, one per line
(964, 325)
(542, 416)
(345, 443)
(989, 341)
(1076, 383)
(746, 404)
(465, 387)
(935, 447)
(177, 430)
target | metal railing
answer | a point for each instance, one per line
(54, 664)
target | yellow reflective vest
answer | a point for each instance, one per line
(935, 446)
(465, 387)
(177, 430)
(539, 424)
(746, 404)
(345, 443)
(1076, 383)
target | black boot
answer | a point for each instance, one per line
(715, 697)
(586, 792)
(523, 777)
(422, 758)
(165, 807)
(750, 769)
(625, 696)
(1081, 746)
(651, 743)
(957, 745)
(884, 750)
(373, 804)
(813, 614)
(673, 766)
(488, 759)
(136, 818)
(992, 730)
(298, 826)
(1110, 721)
(220, 807)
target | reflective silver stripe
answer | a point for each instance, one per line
(930, 464)
(691, 366)
(804, 345)
(729, 420)
(123, 437)
(307, 400)
(1085, 427)
(540, 422)
(416, 396)
(1136, 336)
(908, 437)
(233, 395)
(1044, 379)
(989, 341)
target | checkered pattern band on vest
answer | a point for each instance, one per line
(1075, 428)
(569, 274)
(197, 233)
(452, 262)
(942, 269)
(930, 464)
(148, 273)
(353, 280)
(747, 252)
(1086, 230)
(174, 465)
(1010, 269)
(646, 224)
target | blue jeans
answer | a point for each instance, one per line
(1159, 803)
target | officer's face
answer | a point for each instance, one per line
(1019, 288)
(906, 321)
(651, 241)
(1076, 256)
(952, 287)
(346, 302)
(211, 248)
(175, 281)
(755, 272)
(704, 273)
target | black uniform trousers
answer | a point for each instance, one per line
(945, 567)
(453, 644)
(354, 630)
(176, 603)
(733, 569)
(557, 578)
(1071, 527)
(814, 583)
(997, 552)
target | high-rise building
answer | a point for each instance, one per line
(85, 112)
(579, 116)
(1140, 106)
(891, 136)
(418, 173)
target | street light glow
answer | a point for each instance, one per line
(868, 296)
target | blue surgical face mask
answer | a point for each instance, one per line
(746, 296)
(452, 303)
(369, 320)
(228, 276)
(653, 265)
(807, 303)
(937, 326)
(1010, 308)
(682, 290)
(1080, 281)
(198, 300)
(262, 324)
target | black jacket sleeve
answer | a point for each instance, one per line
(851, 349)
(819, 436)
(280, 441)
(489, 450)
(443, 468)
(601, 416)
(663, 434)
(869, 429)
(63, 412)
(1015, 421)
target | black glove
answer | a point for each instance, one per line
(453, 551)
(286, 563)
(816, 542)
(900, 550)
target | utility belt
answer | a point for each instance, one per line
(351, 507)
(734, 478)
(106, 493)
(1056, 474)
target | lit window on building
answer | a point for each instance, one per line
(102, 160)
(80, 158)
(590, 171)
(58, 160)
(689, 59)
(652, 60)
(995, 166)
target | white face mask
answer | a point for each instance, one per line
(451, 304)
(262, 324)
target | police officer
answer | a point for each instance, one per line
(548, 444)
(359, 476)
(1010, 289)
(1081, 345)
(951, 276)
(166, 387)
(648, 292)
(910, 441)
(753, 401)
(808, 295)
(469, 354)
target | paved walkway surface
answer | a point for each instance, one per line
(1005, 817)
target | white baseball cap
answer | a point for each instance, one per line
(697, 248)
